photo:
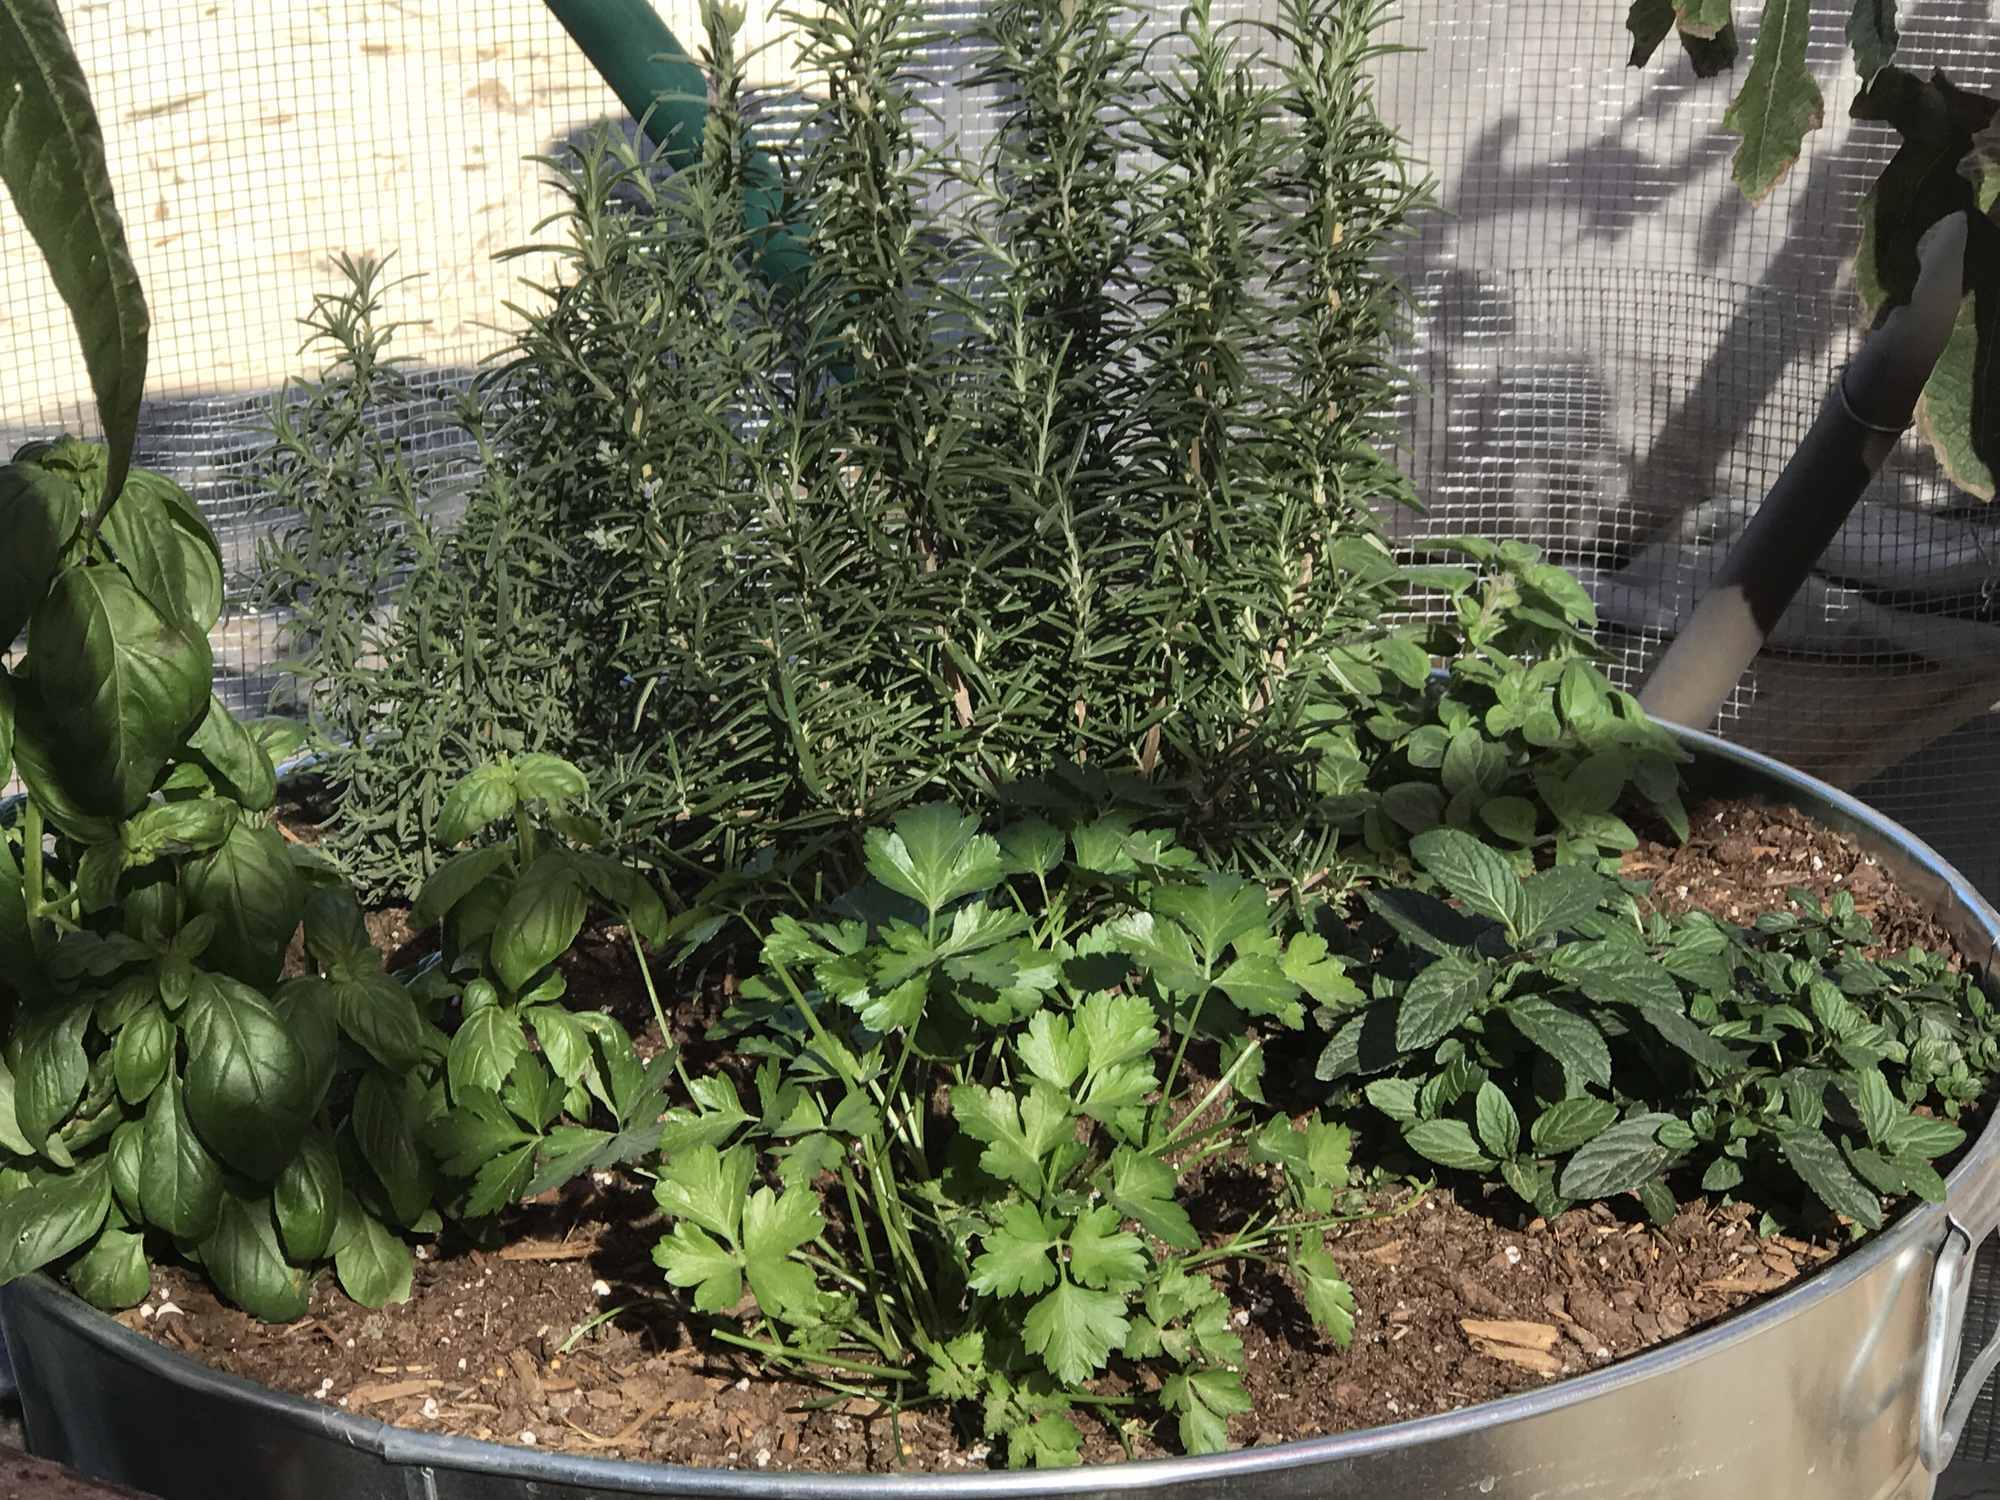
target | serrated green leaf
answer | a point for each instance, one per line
(1471, 872)
(1104, 1255)
(1074, 1330)
(1619, 1159)
(1616, 973)
(1499, 1126)
(1571, 1039)
(774, 1226)
(1017, 1256)
(934, 855)
(1142, 1187)
(1820, 1166)
(707, 1187)
(1449, 1143)
(1205, 1400)
(1570, 1123)
(692, 1258)
(1439, 1000)
(1395, 1097)
(1018, 1132)
(1924, 1137)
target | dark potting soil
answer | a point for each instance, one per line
(568, 1337)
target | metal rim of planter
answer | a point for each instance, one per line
(1959, 1225)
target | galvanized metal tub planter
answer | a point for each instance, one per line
(1841, 1387)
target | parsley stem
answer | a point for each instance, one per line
(1210, 1097)
(799, 1356)
(1180, 1051)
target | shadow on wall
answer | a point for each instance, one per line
(1619, 354)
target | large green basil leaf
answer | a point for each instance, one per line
(52, 160)
(10, 1130)
(142, 1053)
(484, 796)
(386, 1136)
(381, 1016)
(309, 1009)
(52, 1216)
(454, 880)
(541, 919)
(231, 755)
(35, 758)
(337, 933)
(248, 1089)
(252, 889)
(52, 1071)
(373, 1265)
(39, 513)
(247, 1264)
(120, 683)
(113, 1273)
(628, 893)
(156, 532)
(306, 1198)
(180, 1184)
(17, 945)
(127, 1152)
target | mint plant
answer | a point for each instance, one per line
(1544, 1032)
(523, 1075)
(962, 1171)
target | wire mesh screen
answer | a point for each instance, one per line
(1616, 353)
(1619, 354)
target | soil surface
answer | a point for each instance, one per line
(568, 1338)
(25, 1478)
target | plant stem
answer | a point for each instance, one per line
(831, 1361)
(1180, 1051)
(1210, 1097)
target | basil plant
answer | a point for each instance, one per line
(161, 1092)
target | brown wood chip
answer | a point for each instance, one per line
(1528, 1359)
(532, 1250)
(389, 1390)
(1515, 1331)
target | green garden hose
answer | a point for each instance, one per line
(654, 78)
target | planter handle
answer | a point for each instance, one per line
(1942, 1412)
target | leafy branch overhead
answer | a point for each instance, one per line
(52, 161)
(1948, 162)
